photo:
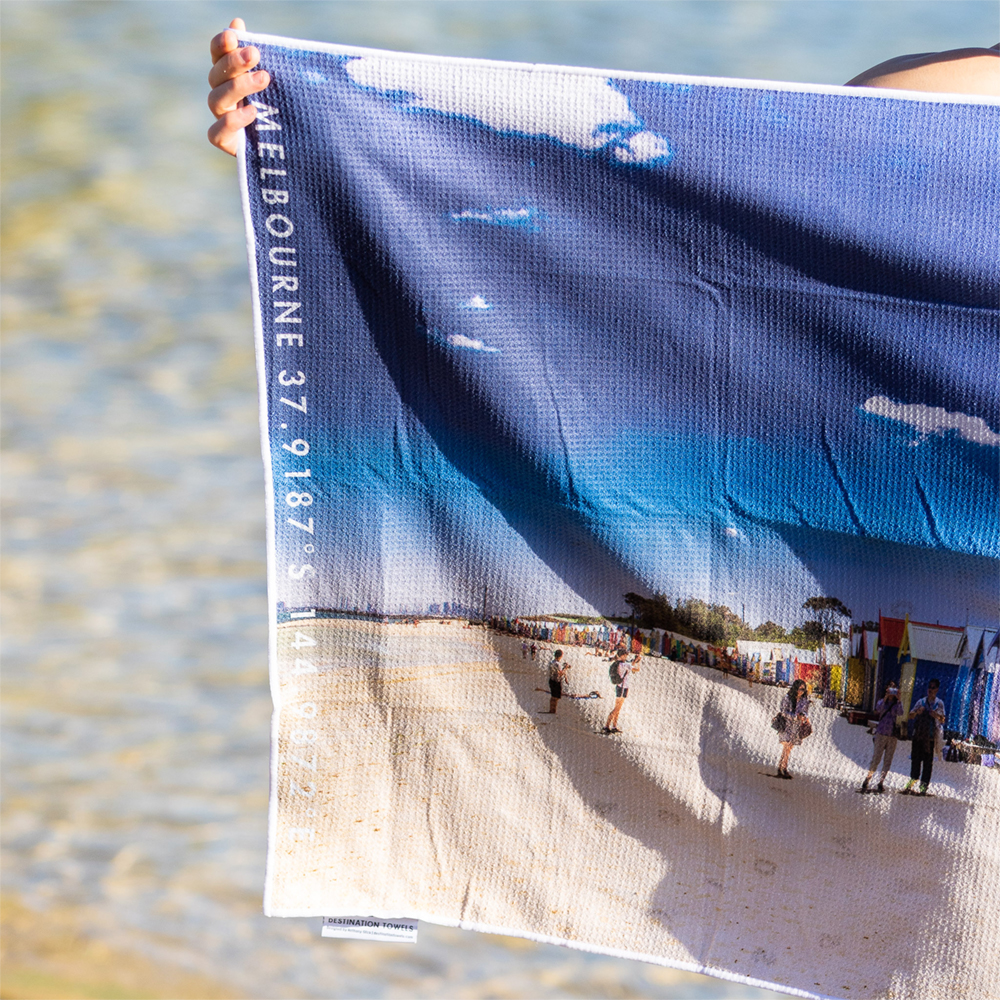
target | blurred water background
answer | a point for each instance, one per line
(135, 699)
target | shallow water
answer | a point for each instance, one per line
(136, 708)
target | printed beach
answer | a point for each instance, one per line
(437, 766)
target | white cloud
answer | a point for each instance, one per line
(457, 340)
(476, 302)
(933, 420)
(527, 218)
(643, 147)
(579, 110)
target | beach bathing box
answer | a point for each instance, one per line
(696, 373)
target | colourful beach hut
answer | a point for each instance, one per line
(656, 642)
(983, 704)
(834, 662)
(869, 659)
(927, 651)
(890, 636)
(991, 695)
(854, 676)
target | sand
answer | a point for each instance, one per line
(440, 792)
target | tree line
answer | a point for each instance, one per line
(828, 621)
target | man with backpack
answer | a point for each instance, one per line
(619, 674)
(927, 715)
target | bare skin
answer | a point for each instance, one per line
(232, 79)
(611, 726)
(959, 71)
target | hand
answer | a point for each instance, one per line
(231, 80)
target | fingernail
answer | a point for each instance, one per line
(246, 54)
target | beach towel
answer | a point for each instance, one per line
(560, 358)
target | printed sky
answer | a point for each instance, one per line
(577, 336)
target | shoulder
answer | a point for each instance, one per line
(963, 71)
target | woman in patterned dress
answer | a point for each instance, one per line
(795, 711)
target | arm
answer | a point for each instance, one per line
(231, 81)
(958, 71)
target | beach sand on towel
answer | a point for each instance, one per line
(695, 381)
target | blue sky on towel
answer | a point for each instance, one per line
(582, 336)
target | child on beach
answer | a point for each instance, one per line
(233, 79)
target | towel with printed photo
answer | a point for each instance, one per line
(632, 447)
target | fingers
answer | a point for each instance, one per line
(227, 96)
(225, 133)
(232, 80)
(226, 40)
(232, 64)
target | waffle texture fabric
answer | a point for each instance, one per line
(695, 382)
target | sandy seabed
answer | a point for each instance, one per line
(437, 790)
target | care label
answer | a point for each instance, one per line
(401, 930)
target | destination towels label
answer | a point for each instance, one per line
(401, 930)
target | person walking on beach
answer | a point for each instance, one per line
(620, 673)
(889, 709)
(534, 651)
(795, 713)
(557, 671)
(524, 650)
(927, 715)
